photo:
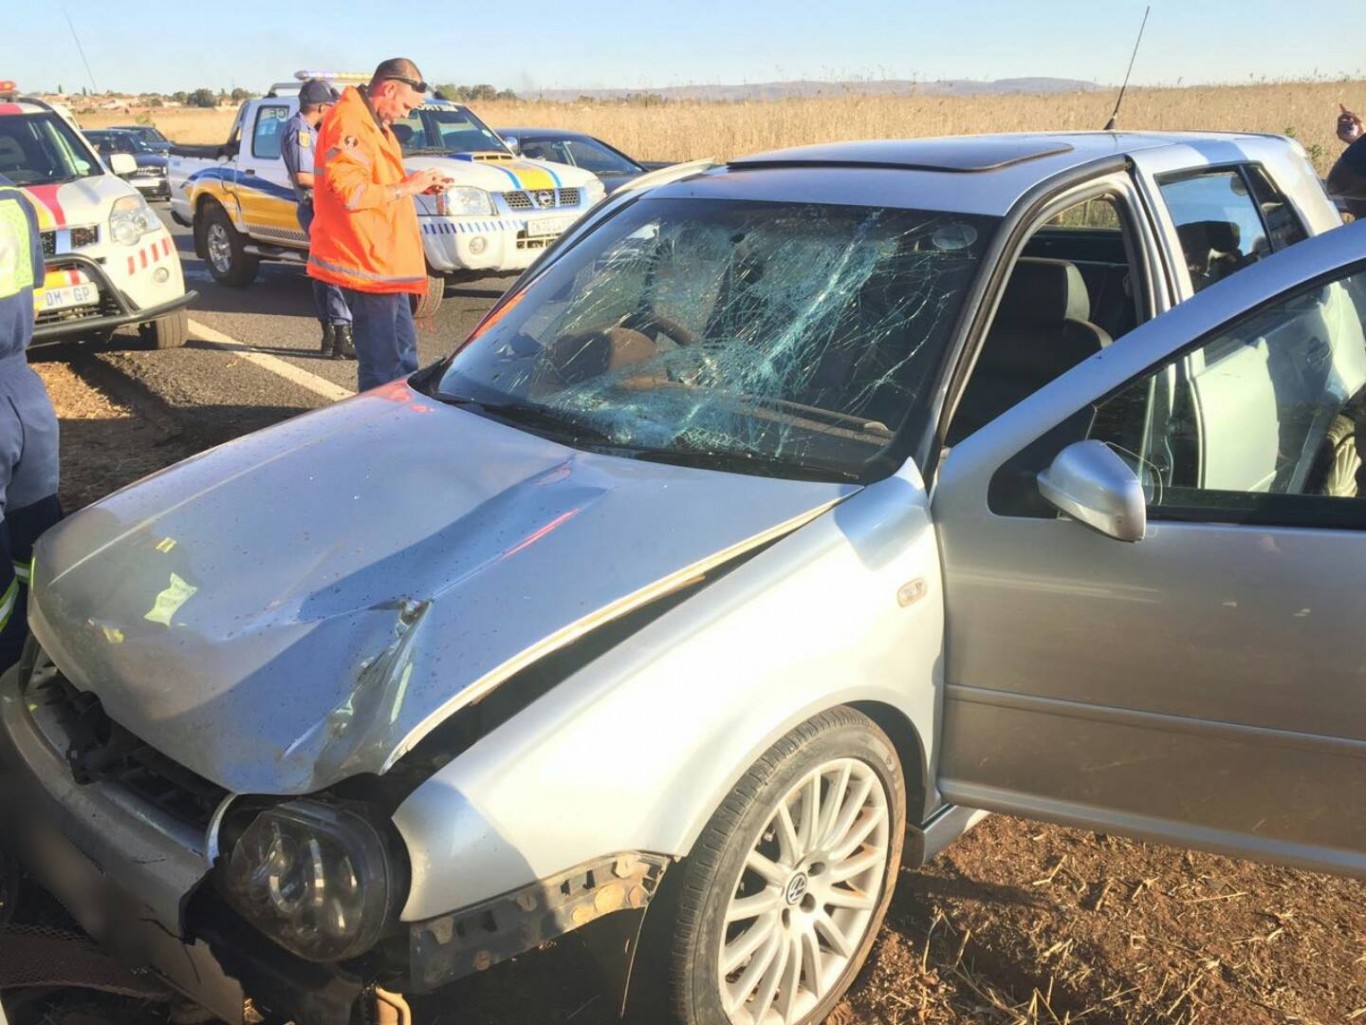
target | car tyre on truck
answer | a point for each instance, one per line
(429, 302)
(225, 248)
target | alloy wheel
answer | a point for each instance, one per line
(807, 895)
(220, 248)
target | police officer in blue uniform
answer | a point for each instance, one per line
(297, 141)
(28, 423)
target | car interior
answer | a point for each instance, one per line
(1070, 294)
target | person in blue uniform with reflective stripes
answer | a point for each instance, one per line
(298, 140)
(28, 423)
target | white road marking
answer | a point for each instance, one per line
(282, 368)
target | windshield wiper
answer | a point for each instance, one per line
(741, 461)
(538, 418)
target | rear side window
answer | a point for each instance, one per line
(265, 139)
(1282, 223)
(1228, 218)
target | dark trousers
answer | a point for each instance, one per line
(327, 299)
(18, 531)
(28, 492)
(385, 335)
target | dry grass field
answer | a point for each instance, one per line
(683, 130)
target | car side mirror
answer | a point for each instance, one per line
(1090, 483)
(122, 163)
(513, 143)
(229, 150)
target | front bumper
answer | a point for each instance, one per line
(495, 244)
(132, 877)
(123, 871)
(116, 309)
(155, 188)
(135, 878)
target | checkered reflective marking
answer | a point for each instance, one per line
(469, 227)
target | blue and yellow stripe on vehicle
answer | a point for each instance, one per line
(521, 174)
(260, 203)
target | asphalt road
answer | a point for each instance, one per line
(215, 394)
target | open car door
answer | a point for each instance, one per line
(1180, 654)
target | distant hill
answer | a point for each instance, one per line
(788, 90)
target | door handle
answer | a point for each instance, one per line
(251, 171)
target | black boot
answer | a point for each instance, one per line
(329, 340)
(345, 346)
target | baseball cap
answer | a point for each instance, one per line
(316, 91)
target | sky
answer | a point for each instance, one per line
(155, 46)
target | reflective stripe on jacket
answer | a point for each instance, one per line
(362, 237)
(21, 269)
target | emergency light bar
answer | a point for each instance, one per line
(8, 89)
(354, 77)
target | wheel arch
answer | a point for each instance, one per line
(909, 749)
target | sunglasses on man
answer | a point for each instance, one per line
(411, 83)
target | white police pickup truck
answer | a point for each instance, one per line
(502, 211)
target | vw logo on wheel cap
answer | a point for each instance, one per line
(796, 888)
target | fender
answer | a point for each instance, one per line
(634, 751)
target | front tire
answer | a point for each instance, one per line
(170, 332)
(225, 250)
(427, 304)
(785, 890)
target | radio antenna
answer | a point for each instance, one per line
(80, 48)
(1110, 125)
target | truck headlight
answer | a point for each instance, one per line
(463, 200)
(130, 219)
(316, 878)
(595, 190)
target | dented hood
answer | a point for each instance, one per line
(303, 604)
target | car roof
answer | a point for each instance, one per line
(24, 107)
(983, 174)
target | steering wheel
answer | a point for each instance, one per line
(647, 319)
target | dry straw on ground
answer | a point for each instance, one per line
(683, 130)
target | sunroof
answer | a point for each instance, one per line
(962, 155)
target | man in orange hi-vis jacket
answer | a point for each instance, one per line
(365, 236)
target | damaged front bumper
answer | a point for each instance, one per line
(124, 872)
(135, 878)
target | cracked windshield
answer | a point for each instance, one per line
(772, 338)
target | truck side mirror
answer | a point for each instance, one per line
(1090, 483)
(513, 143)
(122, 164)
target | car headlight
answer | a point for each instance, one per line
(130, 219)
(595, 191)
(316, 878)
(463, 200)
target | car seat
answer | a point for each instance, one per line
(1212, 250)
(1040, 332)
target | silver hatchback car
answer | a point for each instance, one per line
(777, 523)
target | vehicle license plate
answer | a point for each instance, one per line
(548, 226)
(72, 295)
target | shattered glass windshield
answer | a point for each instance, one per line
(786, 339)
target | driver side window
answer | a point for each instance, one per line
(1260, 423)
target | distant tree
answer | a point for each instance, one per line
(238, 95)
(60, 90)
(180, 96)
(202, 98)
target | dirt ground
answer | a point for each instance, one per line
(1016, 923)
